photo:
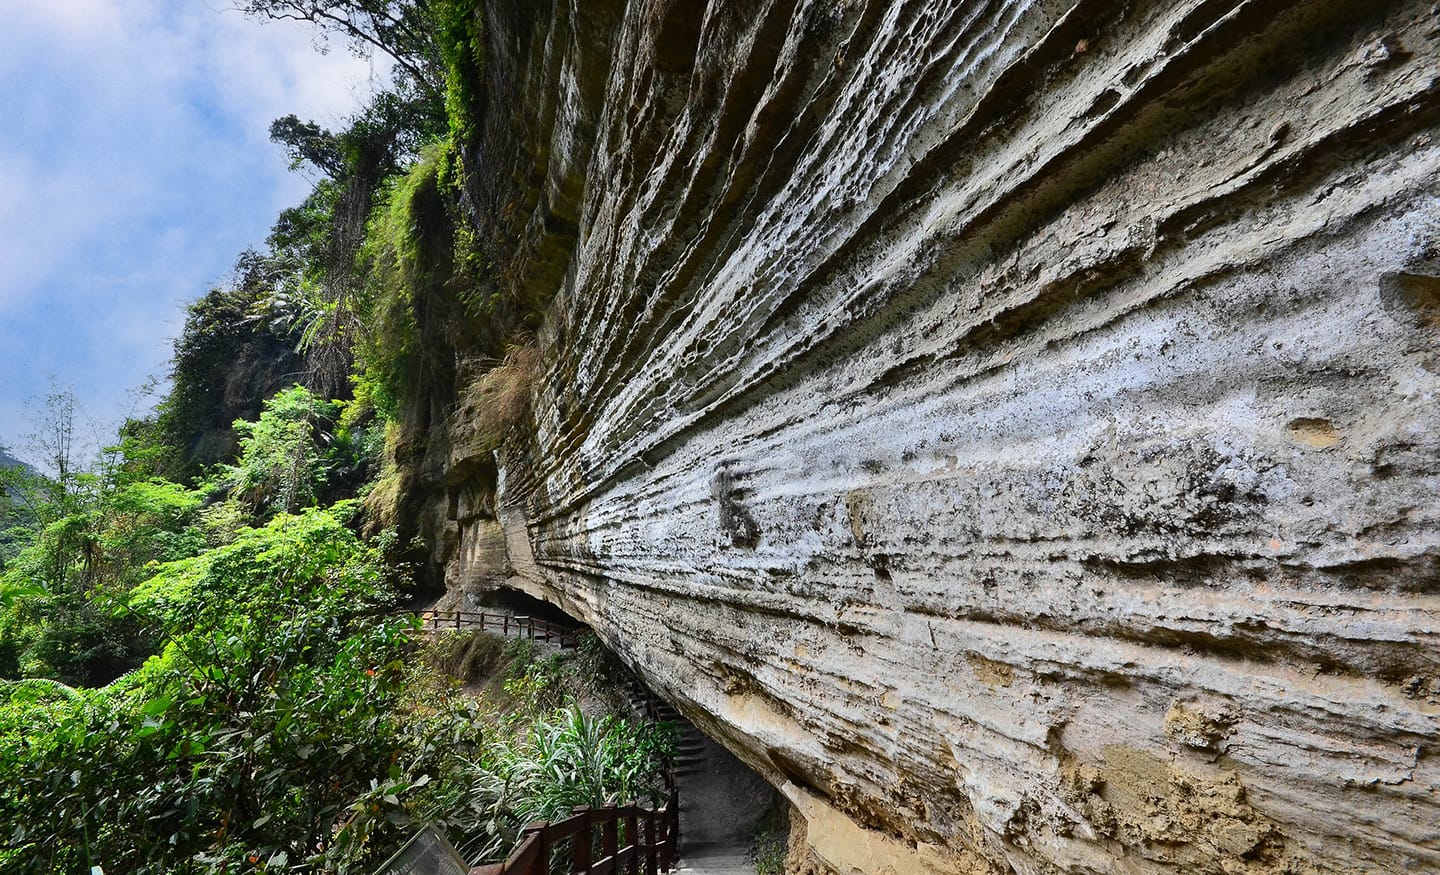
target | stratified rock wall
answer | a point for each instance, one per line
(1010, 427)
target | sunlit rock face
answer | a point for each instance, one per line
(1010, 427)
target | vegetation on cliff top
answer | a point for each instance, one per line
(378, 287)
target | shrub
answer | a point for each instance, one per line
(555, 763)
(273, 708)
(768, 853)
(283, 459)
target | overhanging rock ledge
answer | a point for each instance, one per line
(1011, 428)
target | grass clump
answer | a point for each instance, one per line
(468, 656)
(498, 400)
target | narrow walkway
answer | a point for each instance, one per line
(714, 812)
(716, 860)
(717, 802)
(499, 622)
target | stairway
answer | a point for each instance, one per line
(690, 753)
(704, 849)
(690, 759)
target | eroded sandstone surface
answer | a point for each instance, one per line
(1009, 427)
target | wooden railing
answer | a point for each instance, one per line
(652, 836)
(506, 624)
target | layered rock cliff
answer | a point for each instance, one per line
(1009, 427)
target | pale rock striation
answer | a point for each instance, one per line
(1010, 427)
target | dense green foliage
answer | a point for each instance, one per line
(297, 309)
(94, 530)
(197, 672)
(300, 451)
(378, 288)
(461, 47)
(266, 713)
(77, 534)
(380, 276)
(281, 721)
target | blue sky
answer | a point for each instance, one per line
(135, 165)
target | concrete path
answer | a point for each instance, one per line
(715, 860)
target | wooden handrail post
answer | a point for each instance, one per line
(632, 835)
(673, 808)
(608, 845)
(541, 866)
(581, 858)
(505, 626)
(652, 839)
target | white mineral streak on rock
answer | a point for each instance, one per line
(994, 422)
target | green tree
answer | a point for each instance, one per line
(56, 587)
(316, 285)
(227, 359)
(285, 455)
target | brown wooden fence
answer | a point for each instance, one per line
(505, 624)
(652, 836)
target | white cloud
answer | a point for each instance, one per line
(35, 236)
(134, 166)
(285, 70)
(74, 20)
